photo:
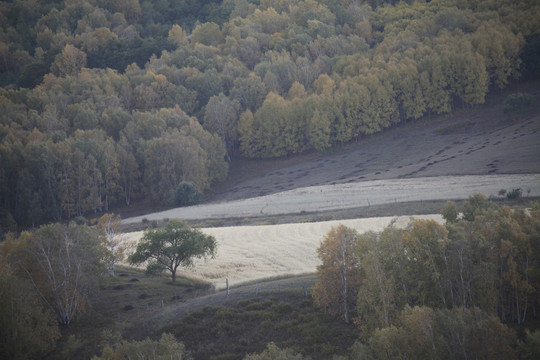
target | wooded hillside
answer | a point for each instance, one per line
(106, 102)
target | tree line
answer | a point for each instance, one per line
(437, 291)
(104, 102)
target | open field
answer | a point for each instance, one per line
(353, 195)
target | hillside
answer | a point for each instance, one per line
(479, 141)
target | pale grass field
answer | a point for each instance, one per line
(353, 195)
(251, 253)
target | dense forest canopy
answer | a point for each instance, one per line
(106, 102)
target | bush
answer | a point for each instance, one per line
(514, 194)
(186, 194)
(515, 102)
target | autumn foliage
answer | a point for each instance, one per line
(437, 291)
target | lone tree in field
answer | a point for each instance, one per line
(174, 245)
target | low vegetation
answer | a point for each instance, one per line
(288, 319)
(516, 102)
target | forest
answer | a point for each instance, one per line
(106, 103)
(433, 291)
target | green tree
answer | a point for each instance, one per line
(186, 194)
(207, 34)
(249, 92)
(171, 159)
(249, 144)
(475, 205)
(319, 130)
(128, 169)
(450, 212)
(376, 302)
(426, 269)
(172, 246)
(530, 348)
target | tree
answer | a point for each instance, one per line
(63, 263)
(171, 159)
(177, 36)
(128, 169)
(273, 352)
(459, 333)
(186, 194)
(249, 92)
(450, 212)
(337, 277)
(28, 329)
(173, 246)
(427, 267)
(376, 302)
(109, 228)
(207, 34)
(319, 130)
(220, 117)
(475, 205)
(69, 62)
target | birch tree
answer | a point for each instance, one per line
(63, 264)
(109, 228)
(338, 280)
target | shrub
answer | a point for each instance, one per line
(186, 194)
(515, 102)
(514, 194)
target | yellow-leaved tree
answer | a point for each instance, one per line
(336, 288)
